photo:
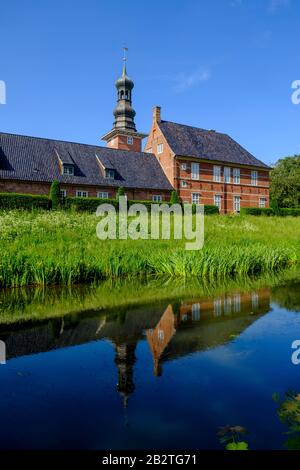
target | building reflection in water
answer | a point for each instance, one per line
(171, 331)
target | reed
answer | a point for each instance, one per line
(40, 248)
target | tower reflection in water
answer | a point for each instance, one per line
(172, 330)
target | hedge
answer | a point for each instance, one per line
(294, 212)
(283, 212)
(90, 204)
(257, 211)
(23, 201)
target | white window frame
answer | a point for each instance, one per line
(217, 174)
(254, 177)
(195, 171)
(82, 193)
(227, 174)
(195, 198)
(237, 204)
(157, 198)
(160, 148)
(183, 166)
(196, 312)
(102, 195)
(184, 184)
(129, 140)
(218, 197)
(63, 193)
(109, 174)
(262, 202)
(68, 170)
(236, 176)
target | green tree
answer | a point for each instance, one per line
(120, 192)
(54, 195)
(174, 198)
(285, 182)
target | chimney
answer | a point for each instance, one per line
(157, 114)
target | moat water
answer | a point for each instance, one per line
(150, 369)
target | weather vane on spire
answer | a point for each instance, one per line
(125, 49)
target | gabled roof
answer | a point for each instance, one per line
(35, 159)
(208, 145)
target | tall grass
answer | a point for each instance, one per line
(62, 248)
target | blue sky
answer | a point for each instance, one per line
(217, 64)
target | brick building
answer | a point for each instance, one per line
(203, 166)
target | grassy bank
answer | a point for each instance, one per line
(62, 248)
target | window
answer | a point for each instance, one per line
(236, 176)
(195, 171)
(156, 198)
(195, 198)
(68, 170)
(227, 305)
(254, 178)
(218, 201)
(227, 174)
(237, 204)
(81, 194)
(217, 174)
(160, 335)
(110, 174)
(102, 195)
(130, 140)
(218, 307)
(184, 184)
(160, 148)
(237, 303)
(196, 312)
(255, 301)
(183, 166)
(63, 193)
(262, 202)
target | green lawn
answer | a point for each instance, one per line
(62, 248)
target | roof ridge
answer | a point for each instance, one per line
(72, 142)
(194, 127)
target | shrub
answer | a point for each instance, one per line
(54, 196)
(292, 212)
(88, 204)
(208, 209)
(120, 192)
(174, 198)
(257, 211)
(23, 201)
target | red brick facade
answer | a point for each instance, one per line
(36, 188)
(230, 195)
(124, 142)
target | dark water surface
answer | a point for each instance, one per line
(162, 373)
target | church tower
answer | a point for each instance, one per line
(124, 135)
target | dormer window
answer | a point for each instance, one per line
(68, 170)
(109, 174)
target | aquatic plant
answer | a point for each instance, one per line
(39, 248)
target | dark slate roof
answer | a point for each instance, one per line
(208, 145)
(36, 159)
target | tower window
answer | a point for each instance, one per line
(130, 140)
(160, 148)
